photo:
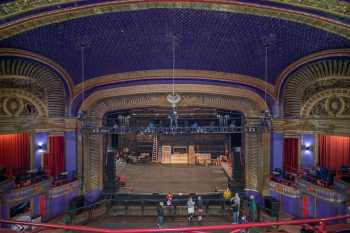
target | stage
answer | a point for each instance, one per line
(157, 178)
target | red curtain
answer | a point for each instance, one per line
(54, 159)
(15, 151)
(334, 151)
(290, 154)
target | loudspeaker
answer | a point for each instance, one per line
(272, 205)
(77, 202)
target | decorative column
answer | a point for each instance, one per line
(255, 155)
(70, 141)
(276, 160)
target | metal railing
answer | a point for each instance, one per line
(320, 228)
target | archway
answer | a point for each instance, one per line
(231, 99)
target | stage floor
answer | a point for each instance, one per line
(151, 178)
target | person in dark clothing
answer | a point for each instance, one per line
(160, 214)
(235, 211)
(200, 209)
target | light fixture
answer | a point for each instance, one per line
(173, 98)
(307, 147)
(41, 147)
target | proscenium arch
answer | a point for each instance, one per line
(180, 74)
(181, 88)
(62, 15)
(247, 102)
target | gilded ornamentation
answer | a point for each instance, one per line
(22, 6)
(62, 15)
(307, 83)
(328, 103)
(15, 103)
(338, 7)
(35, 78)
(193, 74)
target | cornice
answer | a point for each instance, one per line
(17, 7)
(61, 15)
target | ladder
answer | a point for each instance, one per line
(155, 148)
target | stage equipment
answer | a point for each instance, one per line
(163, 130)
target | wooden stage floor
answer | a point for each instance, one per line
(151, 178)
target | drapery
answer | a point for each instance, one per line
(54, 159)
(290, 154)
(15, 151)
(334, 151)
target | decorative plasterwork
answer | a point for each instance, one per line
(312, 125)
(328, 103)
(15, 103)
(337, 7)
(327, 54)
(62, 15)
(21, 6)
(192, 74)
(37, 74)
(9, 52)
(185, 88)
(314, 78)
(244, 105)
(15, 7)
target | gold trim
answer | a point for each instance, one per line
(62, 15)
(309, 58)
(165, 88)
(193, 74)
(42, 59)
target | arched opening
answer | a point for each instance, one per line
(148, 151)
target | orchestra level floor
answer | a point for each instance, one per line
(151, 178)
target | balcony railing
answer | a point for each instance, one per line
(320, 228)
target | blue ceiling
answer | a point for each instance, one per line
(205, 40)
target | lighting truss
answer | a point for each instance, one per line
(164, 130)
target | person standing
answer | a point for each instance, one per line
(252, 209)
(160, 214)
(238, 203)
(200, 209)
(190, 209)
(235, 209)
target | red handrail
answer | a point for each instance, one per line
(232, 227)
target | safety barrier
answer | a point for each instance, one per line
(321, 228)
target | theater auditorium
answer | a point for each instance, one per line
(175, 115)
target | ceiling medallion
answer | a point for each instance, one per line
(335, 105)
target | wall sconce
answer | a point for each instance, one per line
(307, 147)
(41, 148)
